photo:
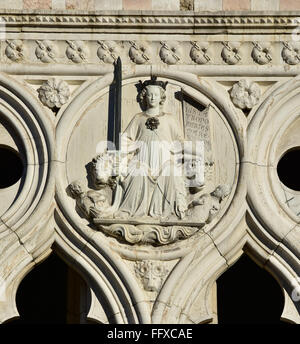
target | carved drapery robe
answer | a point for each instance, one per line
(154, 183)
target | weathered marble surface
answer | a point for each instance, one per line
(247, 141)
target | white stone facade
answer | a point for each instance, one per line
(56, 70)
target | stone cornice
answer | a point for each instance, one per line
(151, 19)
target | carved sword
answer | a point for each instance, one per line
(117, 103)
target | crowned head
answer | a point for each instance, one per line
(152, 92)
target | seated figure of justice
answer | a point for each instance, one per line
(149, 176)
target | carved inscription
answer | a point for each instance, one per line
(196, 124)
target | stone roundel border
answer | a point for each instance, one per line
(90, 94)
(280, 109)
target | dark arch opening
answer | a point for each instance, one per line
(12, 167)
(52, 293)
(288, 169)
(248, 294)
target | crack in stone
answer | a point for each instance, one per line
(19, 239)
(255, 164)
(284, 237)
(216, 246)
(48, 163)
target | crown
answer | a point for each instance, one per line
(153, 81)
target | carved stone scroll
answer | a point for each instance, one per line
(197, 127)
(196, 122)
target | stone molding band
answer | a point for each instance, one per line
(140, 19)
(105, 52)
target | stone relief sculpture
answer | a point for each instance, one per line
(170, 52)
(210, 203)
(108, 51)
(198, 52)
(151, 190)
(54, 93)
(86, 201)
(151, 273)
(291, 52)
(15, 50)
(245, 94)
(46, 51)
(230, 53)
(139, 52)
(261, 52)
(77, 51)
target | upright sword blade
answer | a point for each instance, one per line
(118, 102)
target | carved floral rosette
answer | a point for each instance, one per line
(245, 94)
(54, 93)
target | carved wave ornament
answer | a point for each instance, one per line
(153, 189)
